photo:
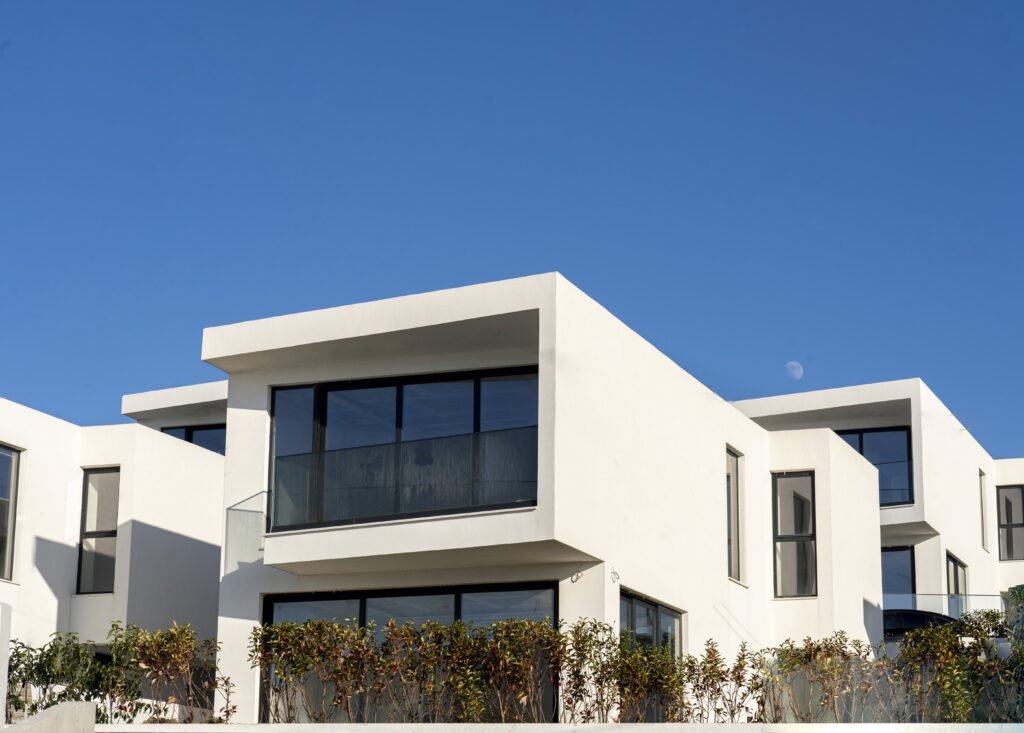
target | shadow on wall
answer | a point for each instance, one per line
(173, 578)
(873, 624)
(57, 564)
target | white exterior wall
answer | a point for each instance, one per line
(847, 537)
(169, 505)
(631, 478)
(46, 528)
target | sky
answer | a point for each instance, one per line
(745, 184)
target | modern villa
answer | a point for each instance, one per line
(509, 449)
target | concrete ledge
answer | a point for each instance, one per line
(68, 717)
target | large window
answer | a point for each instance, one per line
(650, 623)
(211, 437)
(98, 545)
(8, 508)
(796, 553)
(732, 502)
(889, 450)
(478, 606)
(380, 449)
(1011, 522)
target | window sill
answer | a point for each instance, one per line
(795, 598)
(399, 522)
(1014, 560)
(9, 582)
(740, 583)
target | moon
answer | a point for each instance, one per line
(795, 370)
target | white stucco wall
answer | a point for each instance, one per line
(169, 505)
(631, 484)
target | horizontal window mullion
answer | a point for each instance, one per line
(99, 535)
(794, 537)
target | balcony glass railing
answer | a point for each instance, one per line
(452, 474)
(245, 524)
(953, 606)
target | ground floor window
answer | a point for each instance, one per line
(476, 605)
(898, 580)
(650, 623)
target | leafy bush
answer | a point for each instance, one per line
(141, 673)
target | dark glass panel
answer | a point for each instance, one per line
(342, 611)
(413, 609)
(179, 433)
(670, 630)
(508, 466)
(898, 570)
(508, 402)
(894, 481)
(645, 619)
(358, 417)
(359, 463)
(437, 409)
(794, 505)
(483, 609)
(1011, 543)
(795, 568)
(853, 439)
(1011, 505)
(97, 569)
(294, 462)
(211, 437)
(436, 474)
(886, 446)
(101, 497)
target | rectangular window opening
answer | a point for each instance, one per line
(793, 517)
(98, 544)
(8, 508)
(890, 451)
(371, 450)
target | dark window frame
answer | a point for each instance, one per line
(913, 564)
(270, 599)
(777, 538)
(952, 559)
(735, 573)
(320, 392)
(190, 429)
(104, 534)
(633, 597)
(1009, 525)
(13, 518)
(910, 456)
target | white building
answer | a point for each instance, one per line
(103, 524)
(512, 448)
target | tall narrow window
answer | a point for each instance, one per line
(982, 504)
(8, 508)
(898, 581)
(1011, 522)
(794, 528)
(732, 501)
(956, 586)
(99, 530)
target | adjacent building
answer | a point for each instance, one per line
(506, 449)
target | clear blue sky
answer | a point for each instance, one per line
(744, 184)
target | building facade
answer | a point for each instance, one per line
(513, 449)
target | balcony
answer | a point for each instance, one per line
(953, 606)
(903, 612)
(446, 475)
